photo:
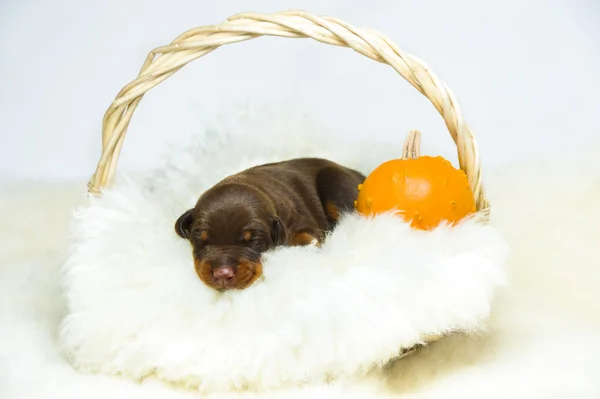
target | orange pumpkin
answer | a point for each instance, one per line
(425, 190)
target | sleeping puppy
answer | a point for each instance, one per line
(289, 203)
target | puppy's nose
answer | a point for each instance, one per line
(224, 274)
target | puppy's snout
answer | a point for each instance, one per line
(224, 274)
(227, 271)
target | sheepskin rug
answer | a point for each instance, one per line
(376, 286)
(542, 340)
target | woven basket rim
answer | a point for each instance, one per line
(162, 62)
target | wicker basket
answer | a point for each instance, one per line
(164, 61)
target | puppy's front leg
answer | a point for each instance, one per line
(306, 237)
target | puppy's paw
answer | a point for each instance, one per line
(305, 238)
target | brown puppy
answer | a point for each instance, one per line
(286, 203)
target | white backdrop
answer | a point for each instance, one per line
(526, 74)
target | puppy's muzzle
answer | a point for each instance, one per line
(223, 270)
(225, 273)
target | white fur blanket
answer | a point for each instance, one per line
(542, 342)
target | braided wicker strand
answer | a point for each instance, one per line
(164, 61)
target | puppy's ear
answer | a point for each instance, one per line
(183, 224)
(278, 232)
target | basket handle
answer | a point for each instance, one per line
(164, 61)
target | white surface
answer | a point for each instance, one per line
(542, 341)
(524, 72)
(375, 287)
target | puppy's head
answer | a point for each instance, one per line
(229, 228)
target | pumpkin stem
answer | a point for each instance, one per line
(412, 145)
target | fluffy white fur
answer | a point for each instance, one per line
(137, 308)
(542, 341)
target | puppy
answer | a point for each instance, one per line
(289, 203)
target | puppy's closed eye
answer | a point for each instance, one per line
(201, 235)
(253, 239)
(199, 239)
(248, 235)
